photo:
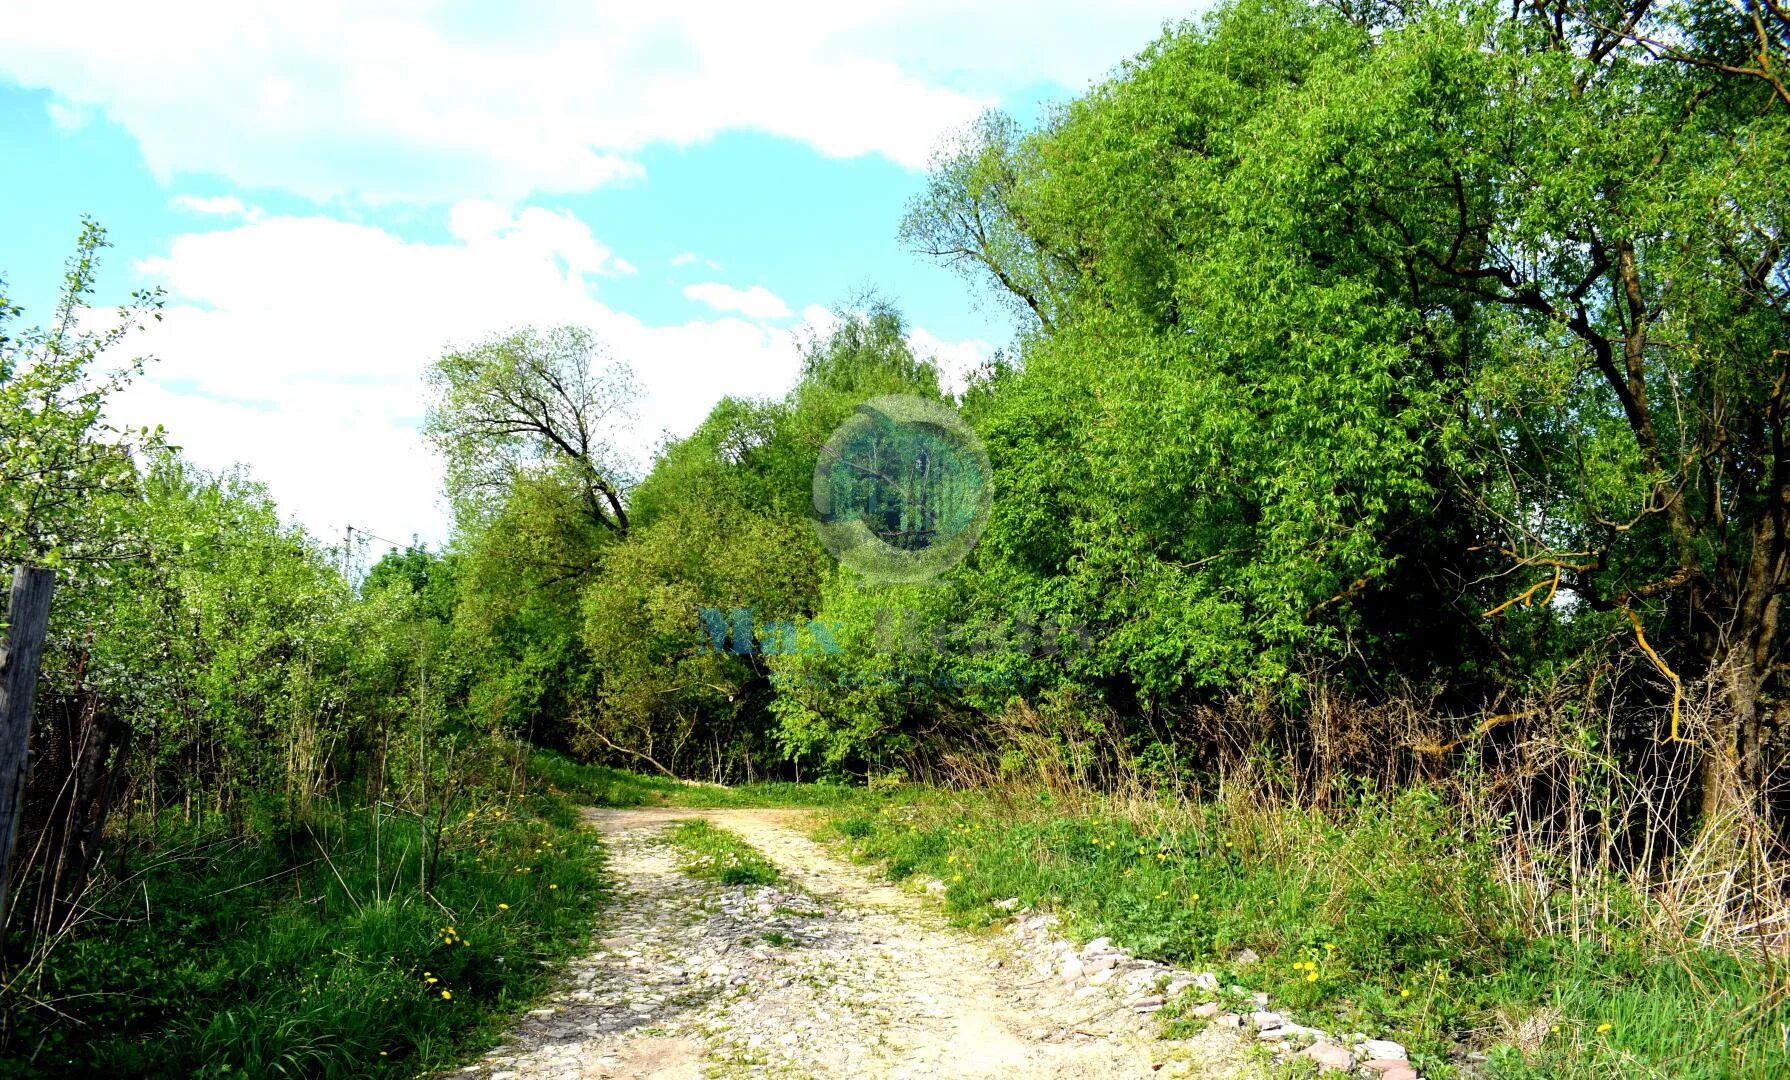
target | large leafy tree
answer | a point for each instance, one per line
(1589, 243)
(1214, 436)
(532, 403)
(1384, 319)
(527, 422)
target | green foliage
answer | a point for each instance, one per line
(234, 643)
(65, 473)
(710, 851)
(969, 218)
(531, 404)
(863, 705)
(1357, 322)
(519, 579)
(600, 785)
(667, 691)
(287, 755)
(431, 576)
(721, 523)
(310, 949)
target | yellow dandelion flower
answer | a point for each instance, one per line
(431, 980)
(553, 886)
(1311, 976)
(447, 995)
(503, 907)
(1601, 1028)
(1407, 993)
(1194, 898)
(1555, 1029)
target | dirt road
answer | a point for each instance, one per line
(830, 973)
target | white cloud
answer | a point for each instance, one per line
(955, 359)
(818, 321)
(296, 345)
(429, 102)
(488, 226)
(66, 117)
(756, 302)
(690, 258)
(215, 206)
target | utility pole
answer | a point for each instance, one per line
(27, 616)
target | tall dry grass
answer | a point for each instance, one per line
(1586, 808)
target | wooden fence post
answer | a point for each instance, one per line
(27, 614)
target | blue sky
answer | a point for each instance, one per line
(330, 200)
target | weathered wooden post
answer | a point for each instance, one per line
(27, 614)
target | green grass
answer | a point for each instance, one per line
(599, 785)
(720, 855)
(1386, 918)
(310, 951)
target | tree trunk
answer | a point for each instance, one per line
(27, 615)
(77, 765)
(1732, 772)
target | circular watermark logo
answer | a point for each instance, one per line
(901, 490)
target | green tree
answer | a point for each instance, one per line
(532, 403)
(1383, 318)
(63, 468)
(721, 523)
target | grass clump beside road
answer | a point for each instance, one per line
(720, 855)
(599, 785)
(312, 949)
(1389, 915)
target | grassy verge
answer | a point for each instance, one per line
(599, 785)
(312, 950)
(720, 855)
(1388, 917)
